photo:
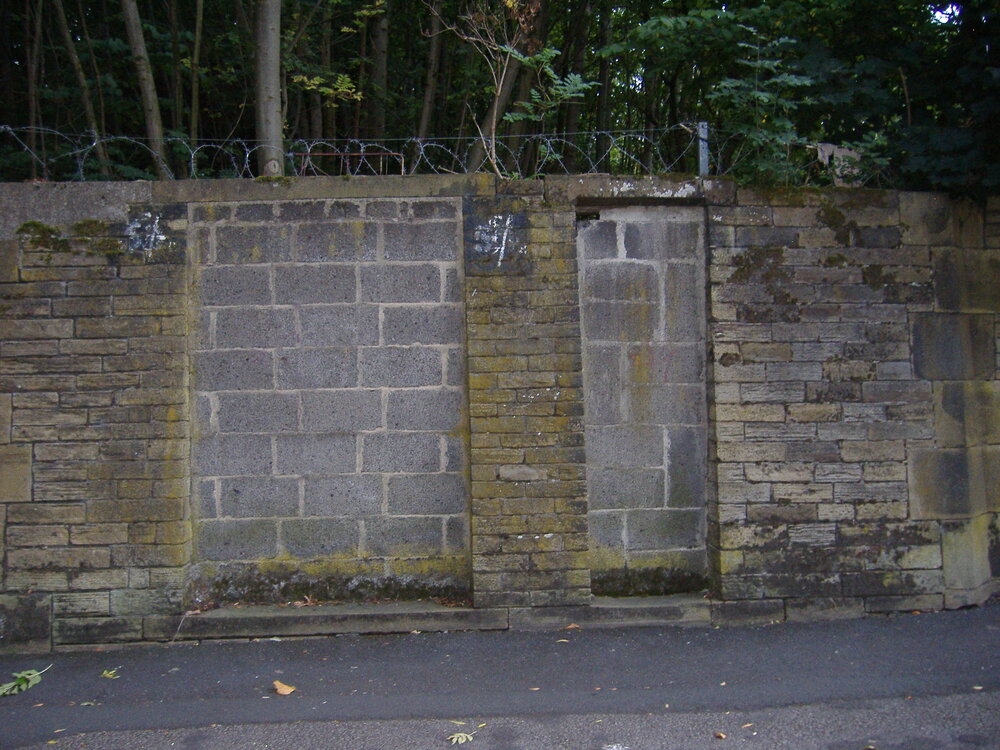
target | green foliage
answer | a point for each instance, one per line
(551, 91)
(22, 681)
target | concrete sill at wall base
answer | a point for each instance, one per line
(406, 617)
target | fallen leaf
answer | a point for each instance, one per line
(563, 640)
(720, 735)
(480, 726)
(460, 738)
(977, 687)
(110, 674)
(460, 723)
(666, 705)
(571, 626)
(746, 726)
(534, 688)
(282, 689)
(723, 683)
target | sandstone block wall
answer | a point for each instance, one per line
(524, 392)
(854, 368)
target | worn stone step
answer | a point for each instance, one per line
(324, 619)
(613, 612)
(261, 621)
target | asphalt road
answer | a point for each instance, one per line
(913, 682)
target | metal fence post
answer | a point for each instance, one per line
(703, 149)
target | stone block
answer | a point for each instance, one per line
(254, 328)
(349, 410)
(388, 282)
(597, 239)
(427, 494)
(234, 285)
(965, 551)
(679, 403)
(423, 409)
(258, 411)
(967, 413)
(953, 347)
(624, 446)
(312, 455)
(748, 612)
(5, 414)
(607, 529)
(233, 370)
(657, 240)
(306, 538)
(603, 392)
(401, 452)
(259, 497)
(947, 483)
(440, 324)
(338, 325)
(967, 282)
(15, 473)
(687, 467)
(84, 603)
(302, 210)
(404, 536)
(324, 283)
(76, 630)
(630, 282)
(236, 539)
(625, 488)
(665, 363)
(400, 366)
(684, 299)
(257, 244)
(335, 241)
(335, 367)
(230, 455)
(343, 495)
(145, 601)
(926, 218)
(25, 623)
(650, 529)
(415, 241)
(620, 321)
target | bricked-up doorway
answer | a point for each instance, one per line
(642, 292)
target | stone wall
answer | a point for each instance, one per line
(643, 281)
(854, 368)
(244, 390)
(94, 429)
(329, 378)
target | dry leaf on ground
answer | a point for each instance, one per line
(282, 689)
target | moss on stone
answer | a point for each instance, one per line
(653, 581)
(41, 235)
(90, 228)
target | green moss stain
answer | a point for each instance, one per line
(275, 180)
(90, 228)
(834, 218)
(876, 277)
(764, 266)
(340, 579)
(42, 236)
(837, 260)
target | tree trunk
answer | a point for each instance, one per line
(270, 160)
(93, 65)
(32, 48)
(147, 87)
(488, 126)
(380, 76)
(81, 80)
(604, 91)
(199, 16)
(176, 86)
(433, 67)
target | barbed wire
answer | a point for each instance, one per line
(48, 154)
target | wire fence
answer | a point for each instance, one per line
(47, 154)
